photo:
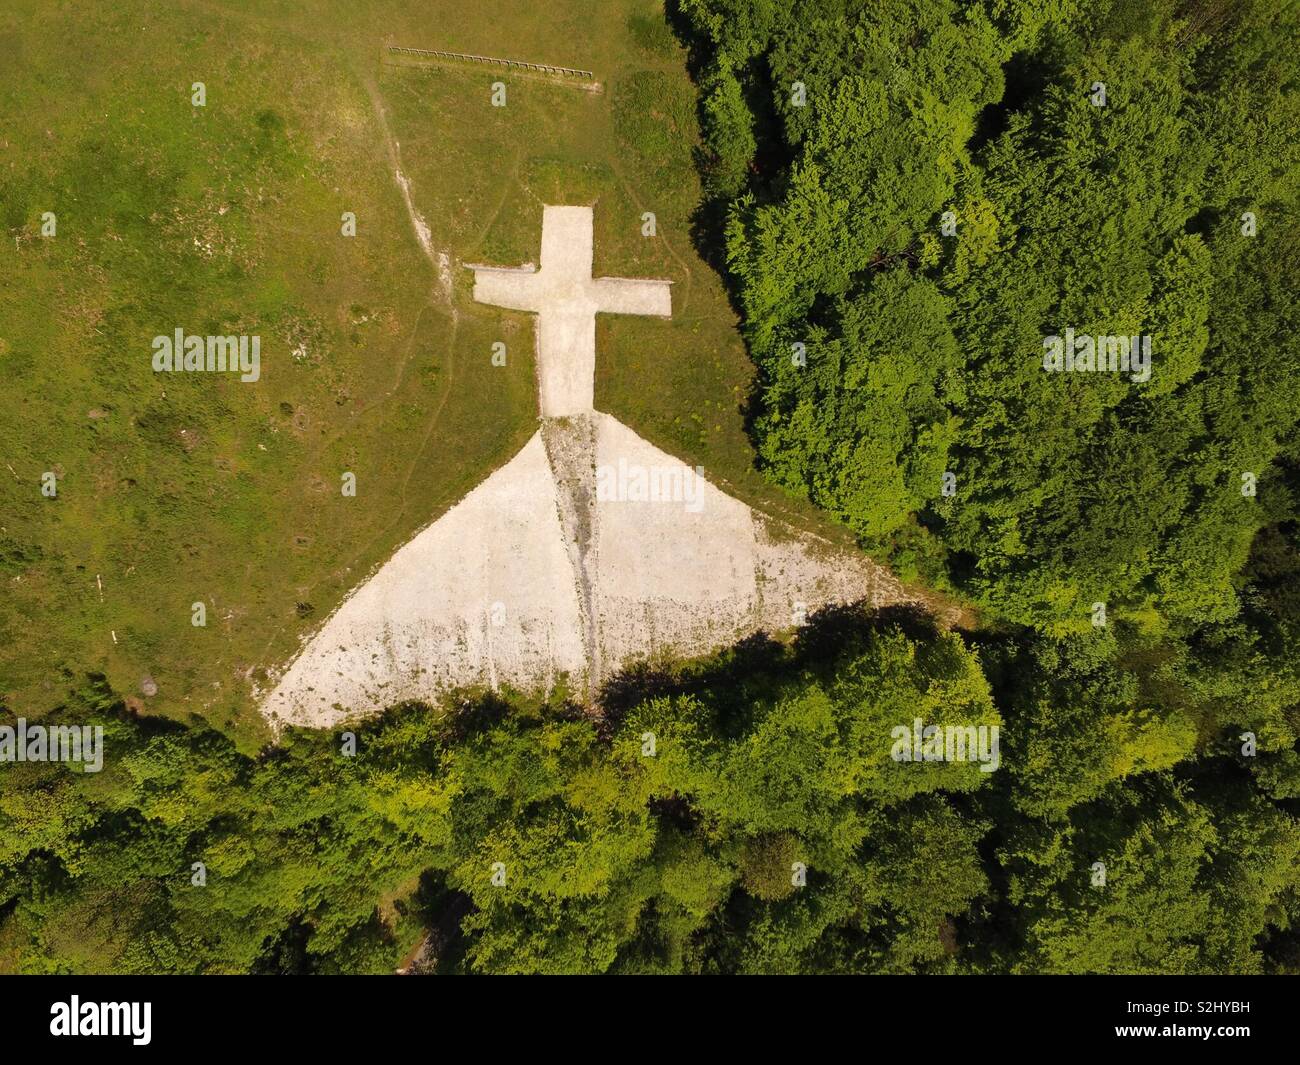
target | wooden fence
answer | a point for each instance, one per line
(545, 68)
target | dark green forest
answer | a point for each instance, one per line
(906, 197)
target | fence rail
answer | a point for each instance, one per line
(546, 68)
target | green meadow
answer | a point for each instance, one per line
(177, 489)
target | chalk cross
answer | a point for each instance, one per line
(566, 299)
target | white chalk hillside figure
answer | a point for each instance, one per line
(589, 549)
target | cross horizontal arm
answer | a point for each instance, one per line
(519, 290)
(621, 295)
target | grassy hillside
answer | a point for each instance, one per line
(174, 489)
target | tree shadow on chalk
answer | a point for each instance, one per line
(835, 631)
(759, 666)
(733, 670)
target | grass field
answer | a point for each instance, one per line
(174, 489)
